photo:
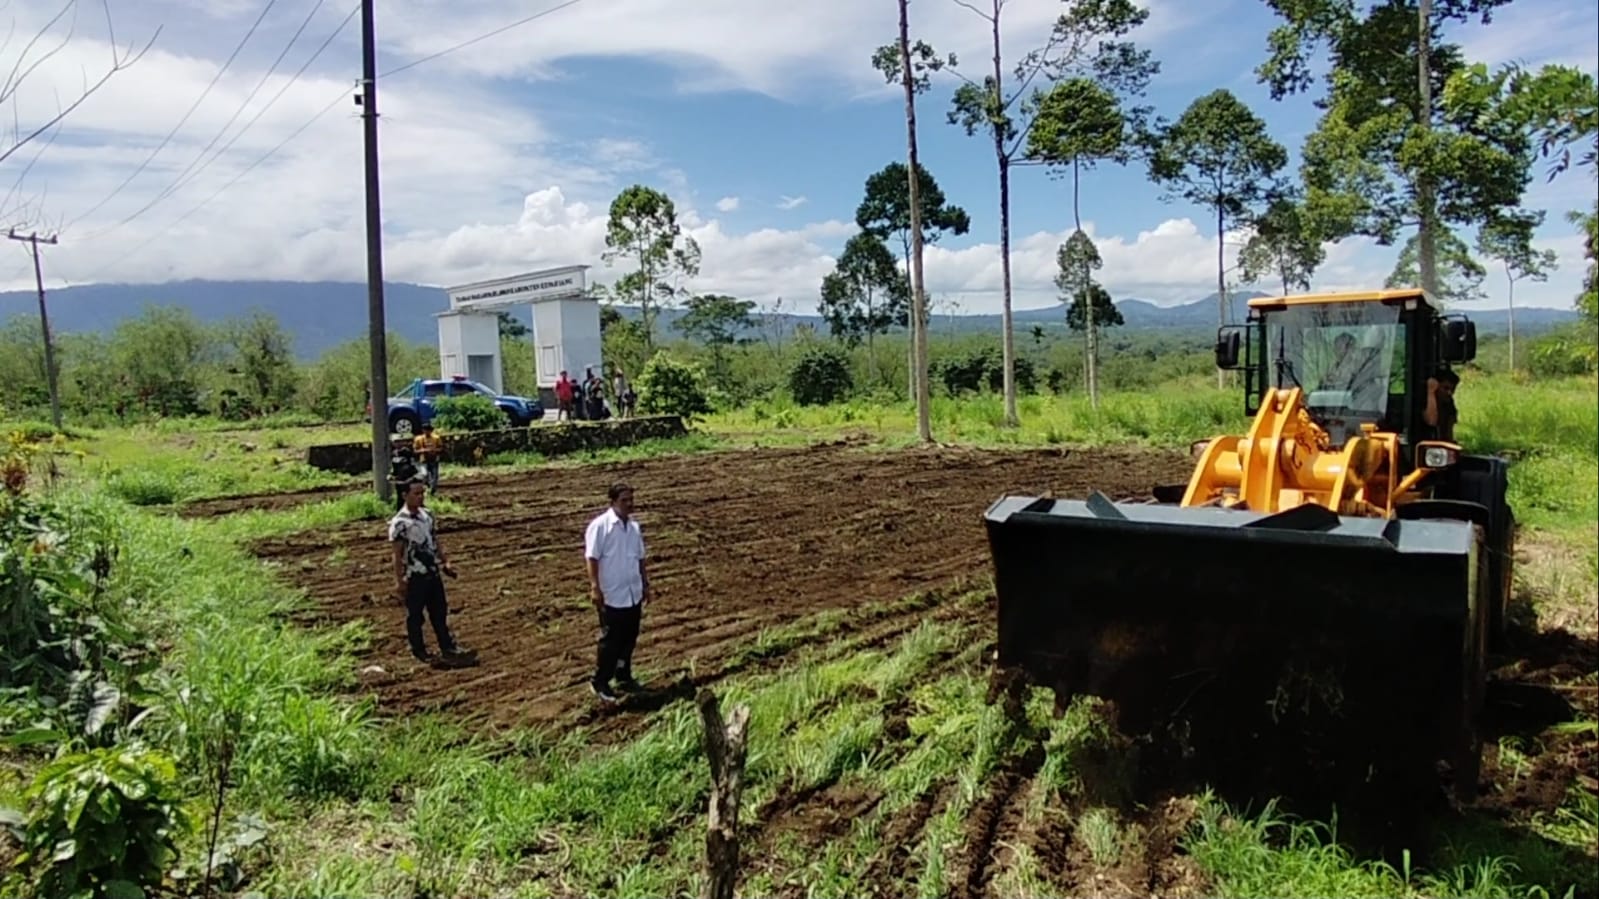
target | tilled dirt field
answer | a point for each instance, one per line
(739, 542)
(747, 541)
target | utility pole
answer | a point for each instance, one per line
(376, 329)
(33, 240)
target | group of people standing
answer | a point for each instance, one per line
(614, 555)
(586, 399)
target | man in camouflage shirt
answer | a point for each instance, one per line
(418, 562)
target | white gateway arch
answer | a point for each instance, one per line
(566, 328)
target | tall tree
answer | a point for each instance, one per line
(165, 353)
(885, 208)
(1386, 155)
(885, 212)
(1076, 261)
(1559, 106)
(1079, 123)
(913, 66)
(1508, 240)
(716, 320)
(263, 355)
(1081, 42)
(1457, 275)
(1283, 245)
(1097, 307)
(1219, 155)
(865, 294)
(643, 229)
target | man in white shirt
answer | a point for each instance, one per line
(613, 546)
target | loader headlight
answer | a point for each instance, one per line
(1438, 456)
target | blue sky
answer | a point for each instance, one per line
(762, 121)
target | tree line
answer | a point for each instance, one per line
(1416, 145)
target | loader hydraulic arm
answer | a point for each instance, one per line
(1286, 460)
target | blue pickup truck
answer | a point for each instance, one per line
(412, 407)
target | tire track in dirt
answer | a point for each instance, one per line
(1149, 862)
(740, 542)
(799, 813)
(875, 627)
(994, 821)
(903, 833)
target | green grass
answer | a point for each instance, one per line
(149, 466)
(1174, 415)
(255, 524)
(1270, 854)
(693, 442)
(359, 805)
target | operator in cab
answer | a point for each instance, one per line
(1440, 413)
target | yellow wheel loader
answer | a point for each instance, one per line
(1324, 589)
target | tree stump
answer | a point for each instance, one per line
(725, 748)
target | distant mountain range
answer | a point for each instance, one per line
(324, 314)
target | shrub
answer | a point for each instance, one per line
(820, 376)
(1567, 351)
(141, 487)
(40, 431)
(669, 386)
(71, 654)
(467, 413)
(982, 369)
(101, 823)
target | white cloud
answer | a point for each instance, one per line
(477, 186)
(1537, 32)
(784, 50)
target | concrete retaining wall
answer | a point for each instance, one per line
(550, 440)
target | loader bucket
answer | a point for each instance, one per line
(1243, 647)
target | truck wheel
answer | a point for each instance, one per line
(512, 420)
(404, 424)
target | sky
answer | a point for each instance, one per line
(213, 155)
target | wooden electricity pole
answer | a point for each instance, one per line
(33, 240)
(376, 329)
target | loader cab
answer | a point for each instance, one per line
(1361, 357)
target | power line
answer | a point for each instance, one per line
(324, 111)
(219, 191)
(482, 37)
(184, 175)
(284, 89)
(23, 175)
(196, 105)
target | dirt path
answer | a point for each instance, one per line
(740, 542)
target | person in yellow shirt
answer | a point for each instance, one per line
(429, 449)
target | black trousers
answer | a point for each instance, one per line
(426, 592)
(618, 636)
